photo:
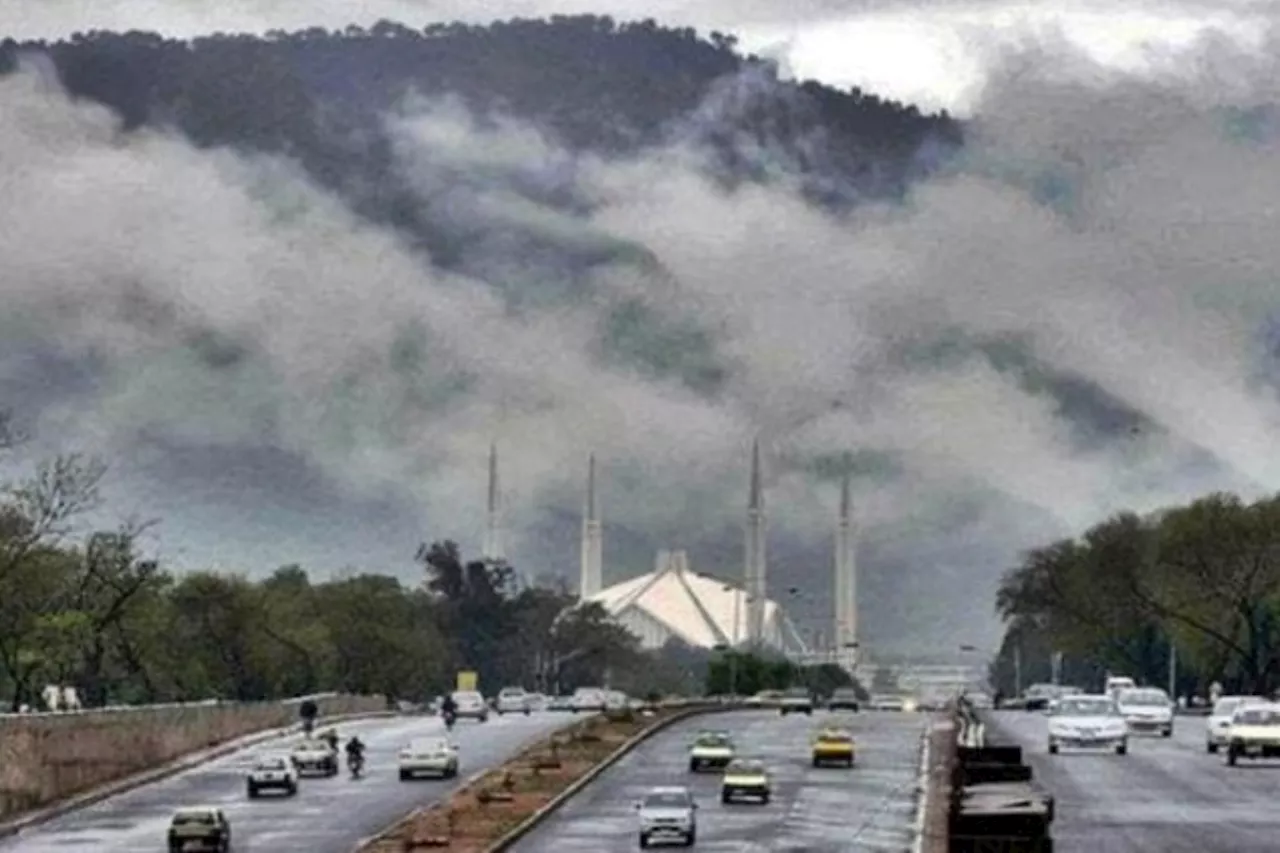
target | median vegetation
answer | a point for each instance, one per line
(475, 818)
(1196, 585)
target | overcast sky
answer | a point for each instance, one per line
(932, 53)
(1150, 275)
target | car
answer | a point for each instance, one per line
(199, 828)
(1254, 732)
(272, 772)
(1116, 683)
(713, 749)
(833, 746)
(513, 700)
(589, 699)
(1146, 710)
(1219, 721)
(560, 703)
(429, 756)
(765, 699)
(843, 699)
(745, 778)
(312, 756)
(668, 814)
(470, 705)
(980, 700)
(887, 702)
(796, 700)
(1088, 722)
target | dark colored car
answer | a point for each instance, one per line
(843, 699)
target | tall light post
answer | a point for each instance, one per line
(731, 647)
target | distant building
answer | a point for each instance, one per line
(672, 602)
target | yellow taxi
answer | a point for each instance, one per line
(833, 746)
(745, 779)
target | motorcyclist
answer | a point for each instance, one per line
(308, 711)
(355, 753)
(331, 737)
(449, 709)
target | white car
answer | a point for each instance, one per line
(589, 699)
(1147, 709)
(796, 700)
(1116, 683)
(314, 757)
(470, 705)
(1088, 722)
(884, 702)
(272, 772)
(1254, 733)
(1219, 722)
(429, 756)
(668, 814)
(513, 700)
(712, 749)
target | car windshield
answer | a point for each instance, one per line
(467, 696)
(272, 764)
(666, 800)
(1144, 697)
(1258, 717)
(433, 745)
(194, 817)
(512, 691)
(713, 739)
(835, 737)
(1084, 708)
(310, 746)
(746, 767)
(1227, 705)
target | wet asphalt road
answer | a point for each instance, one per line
(870, 807)
(1165, 796)
(327, 816)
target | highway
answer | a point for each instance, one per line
(870, 807)
(1166, 795)
(327, 816)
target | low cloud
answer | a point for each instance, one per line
(1074, 318)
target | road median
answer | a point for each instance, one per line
(495, 809)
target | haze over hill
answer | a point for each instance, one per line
(295, 300)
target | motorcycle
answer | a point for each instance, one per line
(449, 719)
(355, 763)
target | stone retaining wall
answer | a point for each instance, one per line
(47, 757)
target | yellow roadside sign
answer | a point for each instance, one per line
(467, 680)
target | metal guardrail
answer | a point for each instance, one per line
(166, 706)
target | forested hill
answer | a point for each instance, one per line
(589, 82)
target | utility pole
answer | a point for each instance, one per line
(1017, 671)
(1055, 666)
(1173, 672)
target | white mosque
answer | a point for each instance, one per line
(675, 602)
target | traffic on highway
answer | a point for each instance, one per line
(330, 811)
(1129, 775)
(761, 781)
